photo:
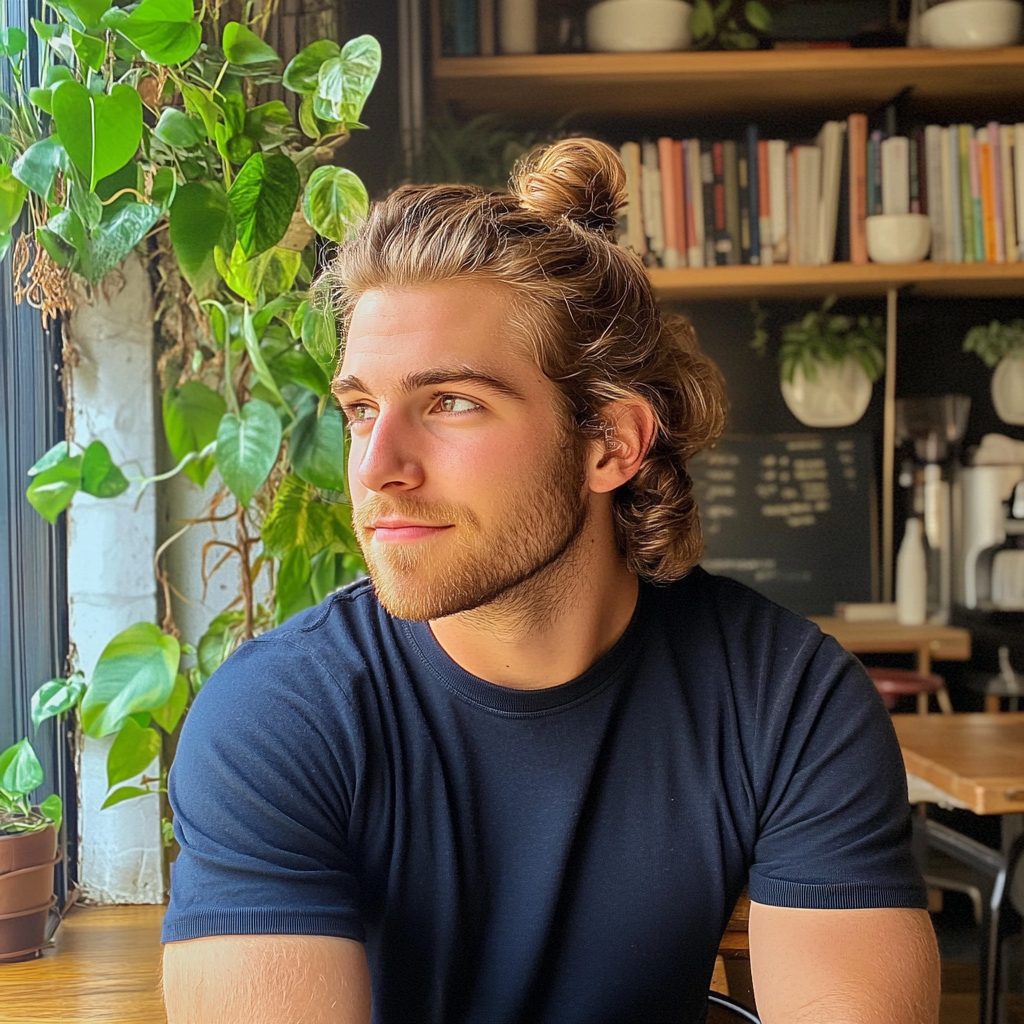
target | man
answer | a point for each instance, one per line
(522, 773)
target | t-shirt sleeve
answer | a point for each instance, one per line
(261, 789)
(834, 821)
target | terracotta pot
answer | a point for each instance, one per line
(26, 891)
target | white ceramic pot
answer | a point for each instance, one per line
(838, 398)
(634, 26)
(959, 24)
(898, 237)
(517, 26)
(1008, 389)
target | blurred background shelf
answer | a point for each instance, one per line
(987, 83)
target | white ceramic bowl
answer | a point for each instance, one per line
(971, 23)
(898, 237)
(633, 26)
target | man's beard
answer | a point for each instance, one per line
(473, 565)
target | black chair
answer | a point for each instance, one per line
(1007, 909)
(723, 1010)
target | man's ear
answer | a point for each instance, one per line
(629, 432)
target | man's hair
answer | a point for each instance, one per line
(584, 307)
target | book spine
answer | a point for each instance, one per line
(915, 190)
(486, 17)
(875, 205)
(633, 236)
(975, 183)
(988, 205)
(933, 190)
(723, 243)
(964, 134)
(996, 145)
(1009, 207)
(732, 199)
(896, 175)
(753, 169)
(1018, 177)
(951, 175)
(466, 32)
(707, 178)
(679, 201)
(791, 201)
(840, 252)
(858, 163)
(668, 217)
(743, 169)
(653, 221)
(777, 196)
(697, 201)
(764, 205)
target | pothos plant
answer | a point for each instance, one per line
(993, 343)
(20, 774)
(728, 25)
(149, 129)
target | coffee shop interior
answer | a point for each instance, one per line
(832, 191)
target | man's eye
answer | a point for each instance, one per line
(453, 403)
(358, 413)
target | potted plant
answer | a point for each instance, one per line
(828, 364)
(1001, 346)
(28, 853)
(728, 25)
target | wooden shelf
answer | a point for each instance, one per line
(985, 83)
(948, 280)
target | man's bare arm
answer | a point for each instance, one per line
(266, 979)
(844, 966)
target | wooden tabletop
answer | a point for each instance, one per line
(929, 642)
(977, 759)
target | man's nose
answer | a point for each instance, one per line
(388, 459)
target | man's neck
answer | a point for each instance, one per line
(551, 628)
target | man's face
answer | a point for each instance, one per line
(465, 482)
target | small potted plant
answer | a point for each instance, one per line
(729, 25)
(28, 854)
(1001, 346)
(828, 365)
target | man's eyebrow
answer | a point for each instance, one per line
(438, 375)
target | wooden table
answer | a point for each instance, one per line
(976, 759)
(928, 642)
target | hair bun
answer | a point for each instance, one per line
(580, 179)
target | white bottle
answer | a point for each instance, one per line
(517, 26)
(911, 576)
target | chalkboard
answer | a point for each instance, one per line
(790, 516)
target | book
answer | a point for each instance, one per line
(707, 178)
(487, 25)
(974, 177)
(754, 194)
(632, 235)
(1009, 200)
(964, 135)
(679, 202)
(732, 199)
(1018, 178)
(695, 218)
(651, 186)
(764, 205)
(875, 173)
(995, 144)
(743, 166)
(916, 192)
(777, 150)
(841, 250)
(830, 142)
(670, 257)
(951, 194)
(896, 175)
(808, 204)
(466, 33)
(791, 204)
(933, 190)
(857, 131)
(985, 187)
(723, 243)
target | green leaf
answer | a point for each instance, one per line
(702, 21)
(268, 275)
(345, 82)
(91, 51)
(132, 751)
(319, 335)
(135, 672)
(20, 770)
(168, 716)
(243, 46)
(758, 15)
(100, 477)
(297, 366)
(273, 112)
(124, 793)
(52, 489)
(317, 449)
(177, 129)
(37, 167)
(335, 203)
(5, 243)
(55, 697)
(200, 220)
(293, 591)
(199, 103)
(192, 414)
(12, 198)
(217, 642)
(164, 30)
(247, 447)
(302, 73)
(297, 520)
(88, 12)
(259, 364)
(101, 133)
(263, 197)
(53, 808)
(12, 42)
(307, 119)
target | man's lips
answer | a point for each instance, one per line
(396, 530)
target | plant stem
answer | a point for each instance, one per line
(245, 573)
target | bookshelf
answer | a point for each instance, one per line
(945, 85)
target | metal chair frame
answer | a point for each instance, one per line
(737, 1010)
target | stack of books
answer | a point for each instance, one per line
(695, 203)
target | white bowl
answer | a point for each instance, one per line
(633, 26)
(971, 23)
(898, 237)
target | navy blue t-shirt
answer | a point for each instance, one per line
(568, 855)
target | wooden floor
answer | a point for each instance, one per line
(105, 968)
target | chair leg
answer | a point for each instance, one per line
(945, 704)
(988, 956)
(922, 703)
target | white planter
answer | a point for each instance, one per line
(1008, 389)
(838, 398)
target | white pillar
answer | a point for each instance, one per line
(111, 542)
